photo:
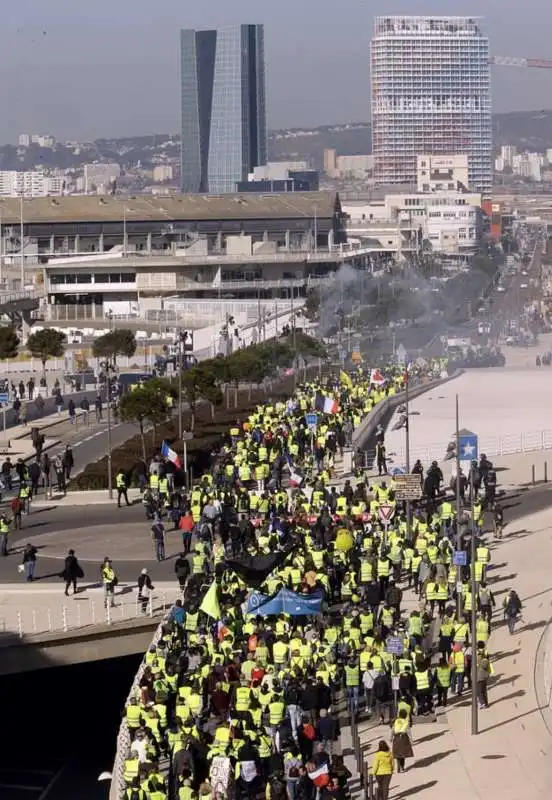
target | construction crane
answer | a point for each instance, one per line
(511, 61)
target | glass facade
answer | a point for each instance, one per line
(431, 94)
(223, 107)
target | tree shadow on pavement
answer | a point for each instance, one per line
(428, 760)
(502, 578)
(512, 719)
(430, 737)
(492, 567)
(506, 654)
(415, 790)
(533, 626)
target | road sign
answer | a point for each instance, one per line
(386, 513)
(356, 356)
(467, 445)
(459, 587)
(394, 645)
(312, 421)
(4, 398)
(408, 487)
(187, 436)
(459, 558)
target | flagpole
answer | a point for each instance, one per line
(407, 454)
(458, 507)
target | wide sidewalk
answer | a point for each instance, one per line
(510, 759)
(27, 608)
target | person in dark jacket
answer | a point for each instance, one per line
(68, 461)
(29, 561)
(328, 731)
(182, 570)
(145, 588)
(372, 596)
(72, 571)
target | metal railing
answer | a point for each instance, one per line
(510, 444)
(59, 618)
(14, 297)
(118, 784)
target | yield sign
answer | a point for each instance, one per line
(385, 513)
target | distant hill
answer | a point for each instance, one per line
(528, 130)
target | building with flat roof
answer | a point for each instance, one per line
(441, 173)
(223, 107)
(431, 93)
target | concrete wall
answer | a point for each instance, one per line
(101, 642)
(368, 426)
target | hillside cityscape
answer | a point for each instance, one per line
(151, 163)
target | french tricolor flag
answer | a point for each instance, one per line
(168, 453)
(320, 776)
(377, 378)
(327, 405)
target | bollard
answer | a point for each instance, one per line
(533, 474)
(19, 624)
(64, 618)
(546, 471)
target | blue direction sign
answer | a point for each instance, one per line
(394, 646)
(312, 421)
(467, 446)
(459, 558)
(4, 398)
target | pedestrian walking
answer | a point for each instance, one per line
(17, 507)
(85, 408)
(110, 581)
(68, 461)
(60, 474)
(158, 538)
(29, 561)
(382, 770)
(72, 411)
(484, 671)
(182, 570)
(401, 742)
(72, 571)
(4, 533)
(121, 484)
(512, 609)
(145, 589)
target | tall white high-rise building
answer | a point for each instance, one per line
(431, 94)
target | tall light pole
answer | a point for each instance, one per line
(458, 506)
(124, 231)
(109, 465)
(473, 589)
(407, 449)
(1, 247)
(22, 251)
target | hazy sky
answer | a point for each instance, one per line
(110, 67)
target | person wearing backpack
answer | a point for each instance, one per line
(134, 791)
(512, 609)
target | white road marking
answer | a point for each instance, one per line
(53, 782)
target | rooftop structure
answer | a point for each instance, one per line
(431, 93)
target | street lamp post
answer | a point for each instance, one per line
(109, 465)
(22, 251)
(458, 505)
(473, 589)
(407, 450)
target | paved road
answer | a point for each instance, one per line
(124, 534)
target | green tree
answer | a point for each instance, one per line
(9, 342)
(119, 342)
(45, 344)
(312, 305)
(200, 383)
(146, 404)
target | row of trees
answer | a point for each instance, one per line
(151, 403)
(50, 343)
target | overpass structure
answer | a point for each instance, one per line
(40, 629)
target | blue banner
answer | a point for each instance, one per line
(285, 602)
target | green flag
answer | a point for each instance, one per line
(210, 604)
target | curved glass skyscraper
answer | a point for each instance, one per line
(431, 94)
(223, 107)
